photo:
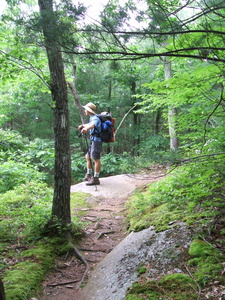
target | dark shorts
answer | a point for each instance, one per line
(95, 149)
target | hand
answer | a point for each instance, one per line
(80, 127)
(83, 130)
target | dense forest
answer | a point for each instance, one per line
(156, 66)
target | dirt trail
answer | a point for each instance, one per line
(105, 229)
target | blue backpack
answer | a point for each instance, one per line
(107, 130)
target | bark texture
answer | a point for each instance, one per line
(62, 174)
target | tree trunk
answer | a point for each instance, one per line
(171, 110)
(157, 120)
(76, 98)
(136, 122)
(62, 172)
(109, 148)
(2, 291)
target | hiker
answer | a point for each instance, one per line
(95, 149)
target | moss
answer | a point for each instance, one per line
(40, 254)
(176, 279)
(149, 289)
(23, 280)
(207, 261)
(174, 286)
(142, 270)
(159, 217)
(194, 262)
(78, 200)
(132, 297)
(207, 271)
(199, 248)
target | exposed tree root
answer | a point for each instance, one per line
(80, 257)
(83, 260)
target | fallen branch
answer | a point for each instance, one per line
(96, 250)
(63, 283)
(106, 232)
(199, 288)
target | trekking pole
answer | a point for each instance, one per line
(87, 148)
(85, 137)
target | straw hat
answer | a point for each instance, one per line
(90, 107)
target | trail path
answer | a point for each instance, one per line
(106, 227)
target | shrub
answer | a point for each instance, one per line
(28, 205)
(15, 173)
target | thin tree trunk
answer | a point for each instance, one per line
(171, 110)
(157, 120)
(62, 172)
(109, 148)
(72, 87)
(136, 120)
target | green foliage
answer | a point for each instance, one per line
(205, 267)
(24, 160)
(78, 166)
(142, 270)
(198, 103)
(192, 192)
(24, 212)
(40, 153)
(78, 200)
(29, 206)
(153, 144)
(13, 174)
(113, 164)
(10, 141)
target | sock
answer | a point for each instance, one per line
(96, 174)
(89, 171)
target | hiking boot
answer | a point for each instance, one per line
(87, 177)
(93, 181)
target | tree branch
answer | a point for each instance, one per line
(201, 156)
(121, 122)
(209, 116)
(21, 62)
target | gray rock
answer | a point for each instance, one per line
(119, 269)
